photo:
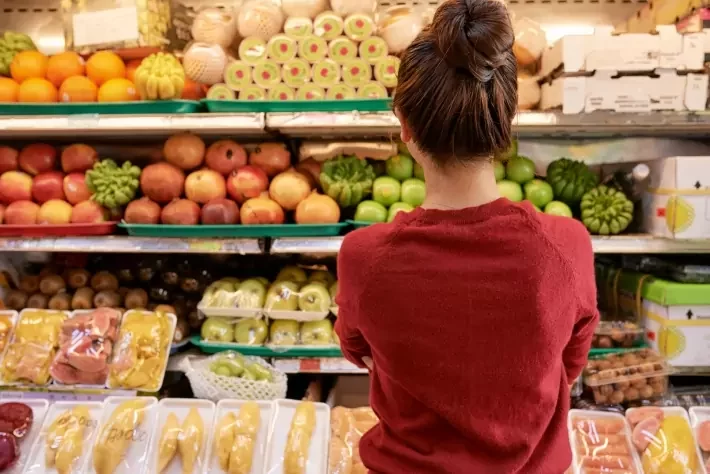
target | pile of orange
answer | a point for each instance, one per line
(66, 77)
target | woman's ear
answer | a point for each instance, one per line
(405, 133)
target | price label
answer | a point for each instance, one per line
(309, 365)
(83, 121)
(205, 246)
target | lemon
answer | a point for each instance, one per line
(679, 214)
(671, 342)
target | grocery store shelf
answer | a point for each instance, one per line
(616, 244)
(149, 126)
(121, 244)
(327, 365)
(329, 124)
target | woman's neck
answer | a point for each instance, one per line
(459, 187)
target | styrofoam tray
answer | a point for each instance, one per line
(36, 461)
(297, 315)
(697, 416)
(14, 316)
(136, 455)
(260, 449)
(280, 427)
(679, 411)
(599, 414)
(39, 411)
(210, 311)
(181, 408)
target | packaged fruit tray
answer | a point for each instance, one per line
(617, 334)
(263, 351)
(108, 108)
(286, 106)
(24, 443)
(48, 230)
(236, 231)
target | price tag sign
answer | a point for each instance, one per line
(205, 246)
(83, 121)
(309, 365)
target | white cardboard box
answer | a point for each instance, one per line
(629, 52)
(677, 202)
(668, 91)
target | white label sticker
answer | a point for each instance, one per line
(105, 26)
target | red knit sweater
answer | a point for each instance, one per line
(477, 321)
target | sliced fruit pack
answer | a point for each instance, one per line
(39, 411)
(700, 421)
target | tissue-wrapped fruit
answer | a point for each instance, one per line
(141, 351)
(347, 179)
(606, 210)
(160, 77)
(570, 180)
(35, 343)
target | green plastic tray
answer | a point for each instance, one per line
(602, 352)
(236, 231)
(360, 105)
(106, 108)
(358, 224)
(262, 351)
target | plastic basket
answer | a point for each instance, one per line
(292, 106)
(106, 108)
(237, 231)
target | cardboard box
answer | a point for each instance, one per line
(603, 91)
(677, 202)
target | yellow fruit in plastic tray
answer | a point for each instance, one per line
(671, 342)
(672, 451)
(679, 214)
(205, 63)
(160, 77)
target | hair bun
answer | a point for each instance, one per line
(473, 36)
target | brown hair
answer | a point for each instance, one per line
(458, 84)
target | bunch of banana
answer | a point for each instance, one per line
(299, 439)
(188, 439)
(116, 435)
(10, 44)
(235, 439)
(113, 186)
(65, 439)
(160, 77)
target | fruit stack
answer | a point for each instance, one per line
(347, 427)
(35, 191)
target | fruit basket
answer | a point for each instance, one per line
(107, 108)
(48, 230)
(234, 106)
(237, 231)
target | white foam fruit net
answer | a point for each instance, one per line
(210, 386)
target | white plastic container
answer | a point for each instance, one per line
(39, 411)
(699, 415)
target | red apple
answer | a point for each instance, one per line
(181, 212)
(142, 211)
(88, 212)
(204, 185)
(220, 211)
(246, 183)
(55, 212)
(225, 156)
(78, 157)
(21, 213)
(8, 159)
(49, 185)
(15, 186)
(75, 188)
(37, 158)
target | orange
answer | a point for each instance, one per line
(63, 65)
(27, 64)
(78, 89)
(118, 90)
(8, 90)
(131, 67)
(103, 66)
(192, 90)
(37, 90)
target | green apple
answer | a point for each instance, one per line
(508, 153)
(418, 171)
(558, 208)
(321, 276)
(283, 332)
(228, 366)
(370, 211)
(400, 167)
(292, 273)
(264, 281)
(317, 333)
(538, 192)
(386, 190)
(520, 169)
(217, 330)
(413, 192)
(397, 208)
(498, 170)
(260, 372)
(333, 291)
(282, 296)
(251, 294)
(510, 190)
(314, 297)
(249, 374)
(251, 331)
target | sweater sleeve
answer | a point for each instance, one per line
(352, 276)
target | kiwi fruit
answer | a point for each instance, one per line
(78, 278)
(60, 302)
(29, 284)
(83, 298)
(137, 298)
(104, 281)
(16, 299)
(38, 301)
(107, 299)
(51, 285)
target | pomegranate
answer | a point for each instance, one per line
(220, 212)
(142, 211)
(184, 150)
(162, 182)
(310, 167)
(225, 156)
(79, 158)
(273, 158)
(181, 212)
(289, 188)
(204, 185)
(317, 209)
(247, 182)
(8, 159)
(262, 210)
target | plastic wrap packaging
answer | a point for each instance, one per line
(141, 351)
(300, 438)
(232, 375)
(617, 334)
(359, 26)
(298, 27)
(215, 26)
(296, 73)
(328, 26)
(239, 438)
(33, 347)
(124, 434)
(252, 93)
(180, 442)
(326, 73)
(252, 50)
(342, 49)
(85, 347)
(281, 92)
(346, 429)
(700, 421)
(20, 423)
(349, 7)
(242, 332)
(627, 377)
(356, 72)
(310, 92)
(237, 75)
(690, 273)
(284, 332)
(372, 90)
(312, 49)
(665, 440)
(7, 325)
(340, 92)
(66, 438)
(303, 8)
(260, 18)
(386, 71)
(400, 26)
(267, 74)
(373, 49)
(601, 443)
(281, 48)
(222, 92)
